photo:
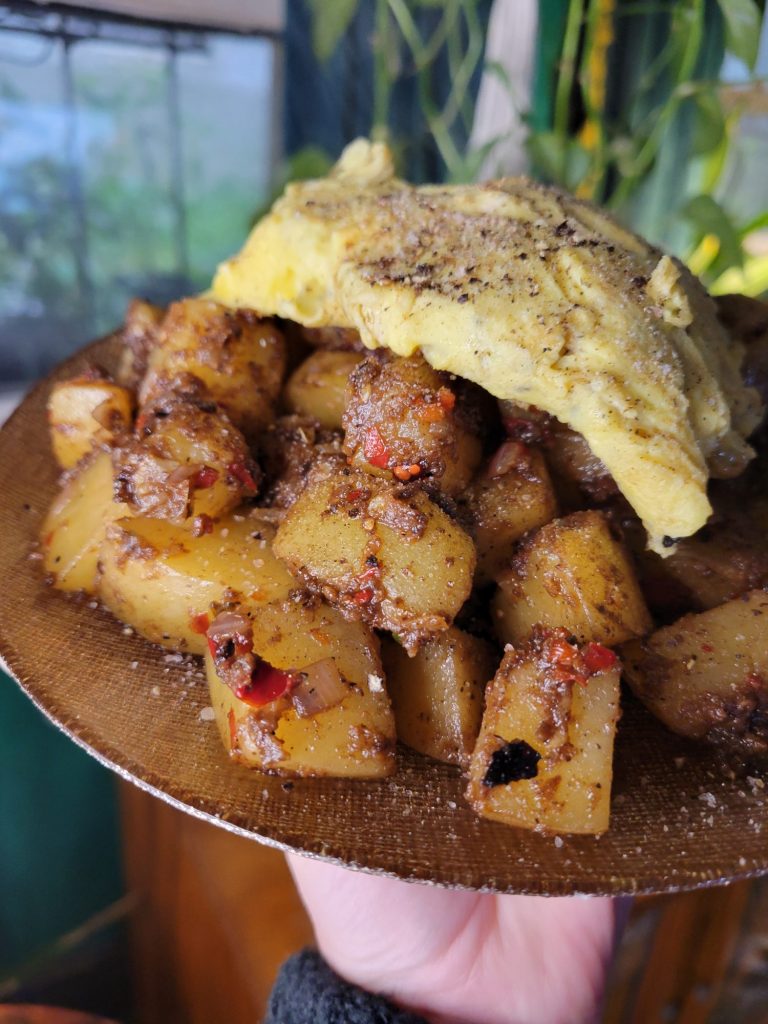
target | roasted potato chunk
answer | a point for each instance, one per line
(76, 523)
(187, 460)
(706, 675)
(318, 388)
(139, 335)
(437, 695)
(230, 356)
(405, 418)
(571, 573)
(543, 759)
(387, 555)
(511, 496)
(290, 447)
(314, 701)
(86, 413)
(162, 579)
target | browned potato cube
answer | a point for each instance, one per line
(318, 388)
(231, 356)
(706, 675)
(405, 418)
(86, 413)
(543, 759)
(313, 700)
(572, 573)
(162, 579)
(511, 496)
(289, 449)
(186, 461)
(437, 695)
(139, 336)
(76, 523)
(390, 557)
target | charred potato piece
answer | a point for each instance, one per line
(387, 555)
(405, 418)
(511, 496)
(290, 447)
(230, 356)
(318, 388)
(437, 695)
(162, 579)
(572, 573)
(543, 759)
(187, 460)
(315, 703)
(139, 336)
(86, 413)
(706, 675)
(76, 523)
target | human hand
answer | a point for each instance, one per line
(461, 956)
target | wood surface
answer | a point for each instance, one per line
(217, 915)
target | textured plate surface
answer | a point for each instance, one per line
(678, 821)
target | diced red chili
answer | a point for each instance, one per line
(204, 478)
(363, 596)
(446, 398)
(355, 494)
(241, 473)
(375, 450)
(406, 473)
(598, 658)
(707, 648)
(199, 623)
(267, 684)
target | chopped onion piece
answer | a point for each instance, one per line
(319, 688)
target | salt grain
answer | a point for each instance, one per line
(155, 691)
(375, 683)
(558, 841)
(207, 715)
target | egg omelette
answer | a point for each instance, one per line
(537, 297)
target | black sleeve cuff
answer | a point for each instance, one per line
(307, 991)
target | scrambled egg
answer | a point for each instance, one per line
(535, 296)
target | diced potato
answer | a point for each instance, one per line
(186, 461)
(575, 469)
(405, 418)
(289, 449)
(572, 573)
(139, 335)
(511, 496)
(229, 355)
(354, 738)
(87, 413)
(706, 675)
(400, 563)
(543, 759)
(76, 523)
(437, 695)
(162, 580)
(318, 388)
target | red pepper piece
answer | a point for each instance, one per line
(375, 450)
(241, 473)
(199, 623)
(363, 596)
(598, 658)
(267, 684)
(204, 478)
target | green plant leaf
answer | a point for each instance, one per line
(742, 29)
(710, 218)
(709, 122)
(329, 23)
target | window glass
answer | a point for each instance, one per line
(132, 160)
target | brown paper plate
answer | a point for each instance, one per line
(678, 821)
